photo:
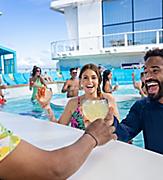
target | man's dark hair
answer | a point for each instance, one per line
(155, 52)
(72, 69)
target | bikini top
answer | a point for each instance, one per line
(76, 120)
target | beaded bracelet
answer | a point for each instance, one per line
(92, 137)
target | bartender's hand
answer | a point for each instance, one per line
(102, 130)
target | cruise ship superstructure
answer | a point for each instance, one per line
(109, 32)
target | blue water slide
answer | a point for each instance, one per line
(19, 79)
(8, 80)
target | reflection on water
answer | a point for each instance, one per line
(26, 107)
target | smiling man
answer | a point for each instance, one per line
(147, 114)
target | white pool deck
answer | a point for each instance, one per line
(113, 161)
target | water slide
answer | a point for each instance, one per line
(113, 161)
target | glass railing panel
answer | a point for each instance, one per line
(144, 38)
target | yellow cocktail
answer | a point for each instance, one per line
(94, 109)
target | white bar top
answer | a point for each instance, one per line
(113, 161)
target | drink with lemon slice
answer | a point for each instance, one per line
(94, 109)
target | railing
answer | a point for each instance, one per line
(97, 43)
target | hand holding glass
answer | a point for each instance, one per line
(95, 109)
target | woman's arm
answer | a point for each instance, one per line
(66, 115)
(112, 103)
(107, 87)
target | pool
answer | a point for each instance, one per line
(24, 106)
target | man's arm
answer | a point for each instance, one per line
(29, 162)
(131, 125)
(65, 87)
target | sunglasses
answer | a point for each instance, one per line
(38, 70)
(74, 72)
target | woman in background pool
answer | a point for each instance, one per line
(36, 81)
(107, 85)
(140, 86)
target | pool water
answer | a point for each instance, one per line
(24, 106)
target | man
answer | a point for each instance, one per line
(71, 86)
(147, 114)
(21, 160)
(46, 77)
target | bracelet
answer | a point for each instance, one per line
(92, 137)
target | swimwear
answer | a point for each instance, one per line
(8, 142)
(76, 120)
(35, 89)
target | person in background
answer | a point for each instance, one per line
(107, 84)
(78, 71)
(46, 77)
(101, 68)
(36, 81)
(147, 113)
(59, 73)
(2, 98)
(21, 160)
(71, 86)
(140, 86)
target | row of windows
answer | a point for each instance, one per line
(120, 11)
(132, 15)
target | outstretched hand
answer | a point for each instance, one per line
(44, 96)
(102, 129)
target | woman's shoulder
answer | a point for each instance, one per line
(109, 96)
(74, 100)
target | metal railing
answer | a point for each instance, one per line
(97, 43)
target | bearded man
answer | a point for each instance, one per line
(146, 115)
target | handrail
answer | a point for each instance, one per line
(96, 43)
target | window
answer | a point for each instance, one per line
(147, 9)
(117, 11)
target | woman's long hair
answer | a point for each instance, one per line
(105, 78)
(34, 70)
(94, 68)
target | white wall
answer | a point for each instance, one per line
(89, 24)
(71, 21)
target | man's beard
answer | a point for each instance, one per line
(160, 92)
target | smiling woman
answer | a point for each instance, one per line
(90, 80)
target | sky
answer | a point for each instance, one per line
(29, 27)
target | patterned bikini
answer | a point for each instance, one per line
(76, 120)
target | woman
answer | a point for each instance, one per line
(140, 86)
(107, 85)
(36, 81)
(90, 80)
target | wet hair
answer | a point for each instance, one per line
(105, 78)
(34, 70)
(94, 68)
(155, 52)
